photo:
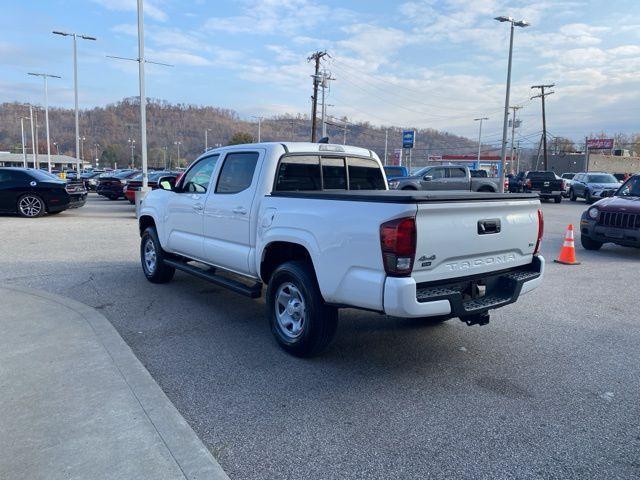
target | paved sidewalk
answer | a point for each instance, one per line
(75, 403)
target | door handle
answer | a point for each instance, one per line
(240, 210)
(197, 206)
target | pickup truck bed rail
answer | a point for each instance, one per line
(405, 196)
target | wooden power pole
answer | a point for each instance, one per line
(542, 96)
(316, 57)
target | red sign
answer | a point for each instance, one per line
(600, 143)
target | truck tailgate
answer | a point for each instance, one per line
(457, 239)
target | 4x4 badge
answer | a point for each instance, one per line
(424, 258)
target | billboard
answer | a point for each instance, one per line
(600, 143)
(408, 138)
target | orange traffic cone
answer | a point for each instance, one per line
(568, 251)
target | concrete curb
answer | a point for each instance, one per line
(191, 456)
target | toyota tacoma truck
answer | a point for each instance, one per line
(318, 227)
(446, 177)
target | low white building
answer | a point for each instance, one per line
(58, 162)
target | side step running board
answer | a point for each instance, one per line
(252, 291)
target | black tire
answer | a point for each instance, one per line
(590, 244)
(587, 197)
(409, 188)
(55, 213)
(31, 205)
(572, 195)
(112, 197)
(319, 322)
(557, 199)
(160, 273)
(486, 190)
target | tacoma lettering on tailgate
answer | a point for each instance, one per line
(480, 262)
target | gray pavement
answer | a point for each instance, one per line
(76, 403)
(549, 389)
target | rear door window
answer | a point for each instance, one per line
(457, 173)
(365, 174)
(299, 173)
(237, 172)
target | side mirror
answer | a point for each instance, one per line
(166, 185)
(427, 178)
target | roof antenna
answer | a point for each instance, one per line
(324, 140)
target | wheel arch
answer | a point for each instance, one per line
(278, 252)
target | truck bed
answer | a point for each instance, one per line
(405, 196)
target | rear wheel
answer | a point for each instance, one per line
(590, 244)
(557, 199)
(152, 258)
(486, 189)
(572, 195)
(408, 188)
(31, 206)
(302, 323)
(587, 197)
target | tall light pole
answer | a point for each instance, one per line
(33, 137)
(177, 143)
(55, 144)
(206, 139)
(259, 127)
(82, 139)
(481, 119)
(503, 152)
(24, 146)
(386, 144)
(75, 87)
(132, 143)
(45, 76)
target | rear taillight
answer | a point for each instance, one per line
(528, 183)
(540, 232)
(398, 243)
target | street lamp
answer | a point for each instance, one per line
(503, 152)
(132, 142)
(75, 84)
(46, 112)
(481, 119)
(55, 144)
(82, 139)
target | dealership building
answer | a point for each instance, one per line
(58, 162)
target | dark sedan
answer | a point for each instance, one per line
(32, 193)
(614, 219)
(157, 179)
(111, 184)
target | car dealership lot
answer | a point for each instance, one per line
(548, 389)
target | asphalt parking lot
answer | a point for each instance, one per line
(549, 389)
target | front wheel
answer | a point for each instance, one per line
(590, 244)
(301, 322)
(557, 199)
(152, 258)
(587, 197)
(572, 195)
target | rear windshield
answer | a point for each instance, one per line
(124, 174)
(313, 173)
(44, 176)
(394, 171)
(601, 179)
(568, 176)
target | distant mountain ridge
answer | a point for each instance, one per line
(112, 126)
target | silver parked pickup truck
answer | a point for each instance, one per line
(449, 177)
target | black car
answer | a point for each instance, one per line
(111, 184)
(32, 193)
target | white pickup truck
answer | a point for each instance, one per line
(317, 225)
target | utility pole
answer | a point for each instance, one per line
(316, 57)
(133, 147)
(206, 139)
(481, 119)
(33, 137)
(518, 157)
(36, 145)
(325, 85)
(515, 108)
(386, 144)
(542, 96)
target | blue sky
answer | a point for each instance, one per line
(423, 63)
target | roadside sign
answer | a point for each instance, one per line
(408, 138)
(397, 156)
(600, 143)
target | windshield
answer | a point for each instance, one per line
(605, 178)
(124, 174)
(631, 188)
(422, 171)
